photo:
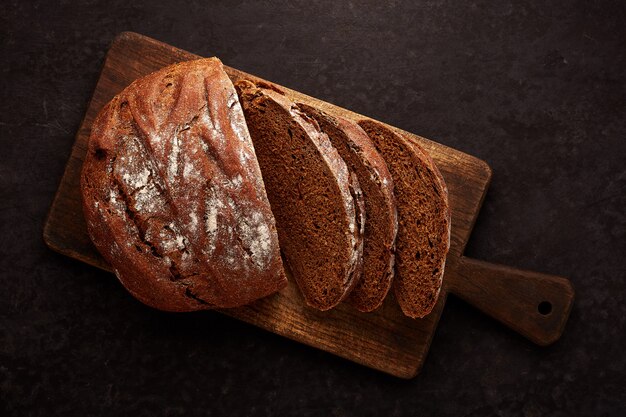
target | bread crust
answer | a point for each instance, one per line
(173, 195)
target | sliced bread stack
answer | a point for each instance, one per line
(317, 168)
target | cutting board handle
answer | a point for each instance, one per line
(533, 304)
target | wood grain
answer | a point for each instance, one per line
(385, 340)
(535, 305)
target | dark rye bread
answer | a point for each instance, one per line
(173, 195)
(381, 226)
(311, 193)
(423, 237)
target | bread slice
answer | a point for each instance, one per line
(381, 226)
(309, 189)
(423, 237)
(173, 195)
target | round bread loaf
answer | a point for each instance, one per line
(173, 195)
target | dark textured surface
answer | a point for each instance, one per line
(537, 89)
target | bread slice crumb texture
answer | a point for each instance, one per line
(423, 237)
(362, 158)
(311, 194)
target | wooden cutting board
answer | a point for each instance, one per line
(535, 305)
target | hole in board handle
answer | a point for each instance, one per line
(544, 308)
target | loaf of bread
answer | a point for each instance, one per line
(316, 202)
(423, 237)
(173, 195)
(381, 225)
(189, 185)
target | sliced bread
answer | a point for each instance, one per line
(423, 237)
(381, 226)
(311, 192)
